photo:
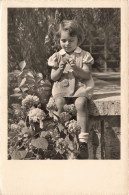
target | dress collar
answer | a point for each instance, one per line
(77, 50)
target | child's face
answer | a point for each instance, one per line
(68, 43)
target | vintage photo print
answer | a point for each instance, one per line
(64, 86)
(58, 116)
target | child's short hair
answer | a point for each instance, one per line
(73, 28)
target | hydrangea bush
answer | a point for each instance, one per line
(34, 130)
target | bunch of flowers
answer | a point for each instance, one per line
(64, 116)
(70, 109)
(15, 127)
(73, 127)
(36, 115)
(30, 101)
(61, 145)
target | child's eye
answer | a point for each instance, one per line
(63, 40)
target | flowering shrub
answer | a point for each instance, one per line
(30, 101)
(39, 133)
(73, 127)
(70, 109)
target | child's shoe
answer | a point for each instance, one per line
(83, 150)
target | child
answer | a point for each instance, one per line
(72, 77)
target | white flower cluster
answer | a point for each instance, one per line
(73, 127)
(15, 127)
(36, 115)
(30, 100)
(70, 109)
(64, 116)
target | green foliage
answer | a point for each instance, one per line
(35, 134)
(32, 32)
(30, 82)
(34, 129)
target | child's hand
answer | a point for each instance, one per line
(62, 65)
(72, 62)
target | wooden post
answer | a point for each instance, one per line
(105, 52)
(102, 140)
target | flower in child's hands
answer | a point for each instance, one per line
(72, 62)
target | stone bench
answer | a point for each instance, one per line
(104, 117)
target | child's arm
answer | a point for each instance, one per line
(56, 73)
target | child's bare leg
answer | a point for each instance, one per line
(82, 118)
(60, 102)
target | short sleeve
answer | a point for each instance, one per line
(53, 60)
(88, 59)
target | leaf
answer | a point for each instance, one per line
(46, 88)
(48, 82)
(22, 82)
(44, 133)
(16, 106)
(40, 75)
(26, 130)
(30, 74)
(29, 155)
(18, 155)
(24, 89)
(40, 143)
(71, 147)
(22, 65)
(60, 127)
(16, 72)
(16, 90)
(16, 95)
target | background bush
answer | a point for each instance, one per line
(31, 35)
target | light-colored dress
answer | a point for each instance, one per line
(70, 84)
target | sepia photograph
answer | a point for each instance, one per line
(64, 70)
(64, 97)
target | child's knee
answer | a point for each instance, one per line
(81, 104)
(60, 102)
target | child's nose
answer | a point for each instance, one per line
(67, 42)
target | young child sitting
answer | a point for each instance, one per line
(72, 77)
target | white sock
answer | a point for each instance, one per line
(83, 137)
